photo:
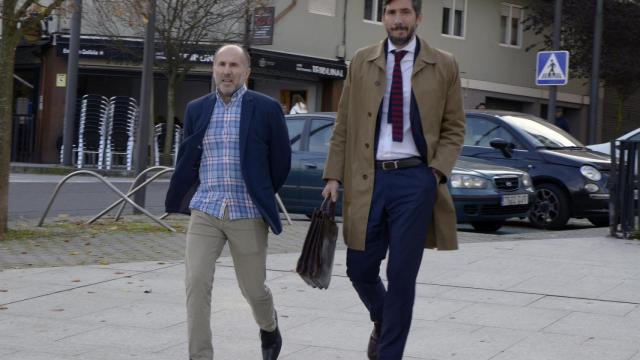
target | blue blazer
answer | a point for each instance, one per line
(265, 154)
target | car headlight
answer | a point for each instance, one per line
(590, 173)
(468, 182)
(526, 181)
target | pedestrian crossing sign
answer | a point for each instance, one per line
(552, 68)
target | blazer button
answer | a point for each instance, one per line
(365, 176)
(366, 145)
(369, 113)
(377, 83)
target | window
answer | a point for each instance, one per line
(323, 7)
(511, 17)
(295, 127)
(373, 10)
(453, 17)
(320, 135)
(480, 132)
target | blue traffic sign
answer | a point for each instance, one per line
(552, 68)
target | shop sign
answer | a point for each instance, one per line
(298, 64)
(263, 20)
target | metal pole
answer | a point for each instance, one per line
(553, 90)
(595, 74)
(141, 154)
(72, 85)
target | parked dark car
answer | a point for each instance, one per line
(570, 180)
(484, 194)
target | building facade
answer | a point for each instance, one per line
(303, 47)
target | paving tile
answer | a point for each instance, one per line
(31, 355)
(555, 347)
(584, 305)
(321, 353)
(598, 326)
(628, 290)
(567, 285)
(332, 333)
(21, 331)
(128, 339)
(65, 305)
(143, 314)
(508, 317)
(456, 341)
(489, 296)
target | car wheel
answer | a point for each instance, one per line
(489, 226)
(599, 221)
(550, 208)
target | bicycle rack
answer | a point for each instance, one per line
(111, 186)
(132, 190)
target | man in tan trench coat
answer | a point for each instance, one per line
(398, 132)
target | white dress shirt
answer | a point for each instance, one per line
(387, 148)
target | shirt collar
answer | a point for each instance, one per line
(410, 47)
(236, 95)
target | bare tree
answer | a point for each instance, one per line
(187, 32)
(18, 18)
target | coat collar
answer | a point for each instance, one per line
(425, 54)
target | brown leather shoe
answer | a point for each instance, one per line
(372, 349)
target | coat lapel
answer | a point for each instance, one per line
(205, 115)
(378, 56)
(426, 55)
(245, 117)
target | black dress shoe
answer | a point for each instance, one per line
(271, 344)
(372, 349)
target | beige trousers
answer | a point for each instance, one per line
(206, 237)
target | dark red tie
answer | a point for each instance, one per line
(395, 115)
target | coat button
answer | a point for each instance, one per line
(377, 83)
(366, 145)
(365, 176)
(369, 113)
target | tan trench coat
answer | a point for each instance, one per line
(436, 85)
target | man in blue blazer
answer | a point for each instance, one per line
(234, 157)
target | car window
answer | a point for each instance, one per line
(541, 133)
(295, 126)
(635, 137)
(481, 131)
(320, 135)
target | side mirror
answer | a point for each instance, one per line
(504, 146)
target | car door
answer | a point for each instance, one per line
(481, 131)
(290, 191)
(312, 161)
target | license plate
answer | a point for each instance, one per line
(522, 199)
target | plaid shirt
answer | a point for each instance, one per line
(221, 184)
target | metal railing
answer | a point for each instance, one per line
(624, 183)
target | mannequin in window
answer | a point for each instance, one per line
(299, 107)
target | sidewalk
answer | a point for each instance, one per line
(551, 299)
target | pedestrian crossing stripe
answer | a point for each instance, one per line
(551, 70)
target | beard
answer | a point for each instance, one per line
(400, 41)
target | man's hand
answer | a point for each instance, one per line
(437, 174)
(331, 189)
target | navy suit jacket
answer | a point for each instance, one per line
(265, 154)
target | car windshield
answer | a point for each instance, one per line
(542, 134)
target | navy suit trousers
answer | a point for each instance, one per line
(399, 218)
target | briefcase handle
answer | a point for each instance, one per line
(328, 207)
